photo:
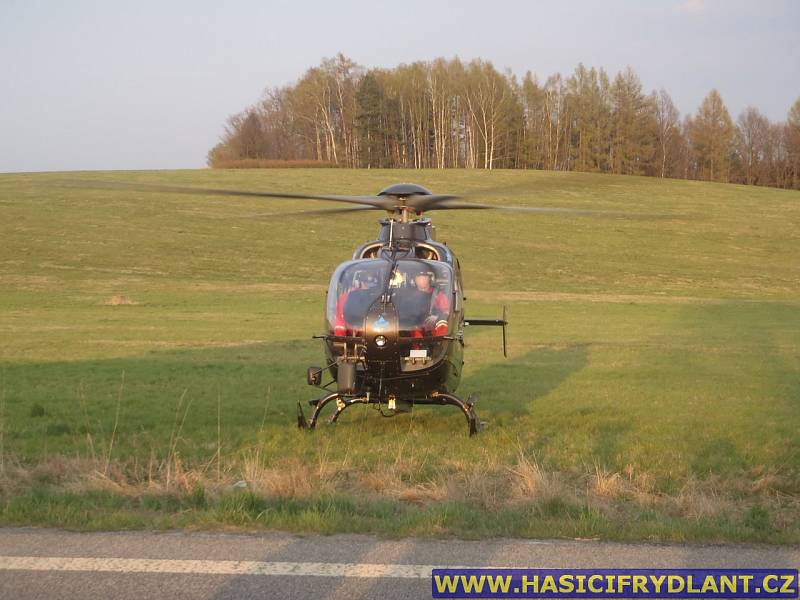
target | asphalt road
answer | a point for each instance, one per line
(37, 563)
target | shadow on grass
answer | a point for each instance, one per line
(64, 407)
(514, 386)
(146, 401)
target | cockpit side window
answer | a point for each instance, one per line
(371, 251)
(421, 251)
(426, 253)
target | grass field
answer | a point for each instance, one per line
(153, 348)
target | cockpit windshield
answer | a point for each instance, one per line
(420, 290)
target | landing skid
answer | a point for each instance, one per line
(467, 407)
(344, 402)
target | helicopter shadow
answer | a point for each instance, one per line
(514, 386)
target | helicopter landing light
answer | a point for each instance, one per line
(380, 341)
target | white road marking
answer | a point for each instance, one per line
(214, 567)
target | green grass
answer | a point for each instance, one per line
(653, 375)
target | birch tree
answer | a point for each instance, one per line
(792, 137)
(667, 129)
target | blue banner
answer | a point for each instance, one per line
(614, 583)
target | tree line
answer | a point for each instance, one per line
(452, 114)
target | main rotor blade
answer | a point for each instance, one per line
(422, 203)
(419, 203)
(279, 214)
(373, 201)
(455, 205)
(453, 202)
(328, 211)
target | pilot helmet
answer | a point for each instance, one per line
(422, 270)
(369, 280)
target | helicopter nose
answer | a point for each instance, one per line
(381, 332)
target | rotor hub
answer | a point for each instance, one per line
(404, 189)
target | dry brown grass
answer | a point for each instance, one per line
(605, 484)
(389, 482)
(119, 300)
(288, 478)
(78, 474)
(699, 500)
(765, 481)
(534, 296)
(56, 470)
(400, 478)
(530, 481)
(482, 480)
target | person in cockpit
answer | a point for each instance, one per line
(423, 309)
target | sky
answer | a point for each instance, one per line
(149, 84)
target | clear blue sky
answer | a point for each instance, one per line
(148, 85)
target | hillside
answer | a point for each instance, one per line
(155, 345)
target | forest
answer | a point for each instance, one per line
(447, 113)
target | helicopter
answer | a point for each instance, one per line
(394, 317)
(394, 313)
